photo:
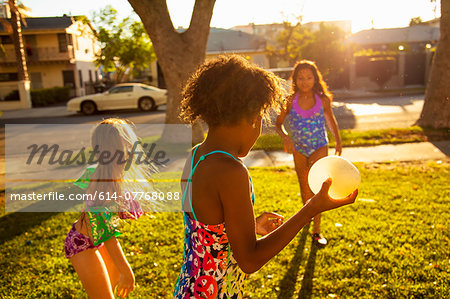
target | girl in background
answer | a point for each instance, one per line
(308, 108)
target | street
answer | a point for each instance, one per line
(380, 113)
(358, 114)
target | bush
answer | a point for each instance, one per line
(47, 96)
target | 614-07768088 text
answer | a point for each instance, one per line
(107, 196)
(137, 195)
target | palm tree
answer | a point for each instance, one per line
(14, 27)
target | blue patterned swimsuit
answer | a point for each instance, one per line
(307, 127)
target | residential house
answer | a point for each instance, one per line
(59, 52)
(405, 53)
(225, 41)
(268, 31)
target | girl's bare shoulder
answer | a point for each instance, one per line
(222, 171)
(289, 101)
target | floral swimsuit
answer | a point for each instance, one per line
(101, 220)
(209, 269)
(307, 127)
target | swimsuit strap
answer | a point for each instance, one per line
(189, 180)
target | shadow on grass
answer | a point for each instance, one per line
(28, 216)
(16, 224)
(307, 283)
(287, 284)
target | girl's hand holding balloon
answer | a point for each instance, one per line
(322, 201)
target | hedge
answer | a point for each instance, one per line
(47, 96)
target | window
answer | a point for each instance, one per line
(147, 88)
(8, 77)
(121, 89)
(80, 75)
(36, 80)
(69, 79)
(69, 40)
(5, 40)
(30, 45)
(62, 42)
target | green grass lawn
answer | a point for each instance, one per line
(392, 243)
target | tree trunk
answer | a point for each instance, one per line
(436, 107)
(18, 42)
(178, 53)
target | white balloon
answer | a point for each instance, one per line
(346, 177)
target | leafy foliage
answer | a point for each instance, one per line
(124, 44)
(46, 96)
(415, 21)
(324, 46)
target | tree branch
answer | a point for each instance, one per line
(156, 19)
(201, 15)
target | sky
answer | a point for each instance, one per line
(364, 14)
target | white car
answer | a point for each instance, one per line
(120, 96)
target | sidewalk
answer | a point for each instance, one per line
(374, 154)
(52, 111)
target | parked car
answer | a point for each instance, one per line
(120, 96)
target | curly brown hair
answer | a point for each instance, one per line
(225, 90)
(320, 87)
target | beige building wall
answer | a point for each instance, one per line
(83, 41)
(51, 74)
(47, 39)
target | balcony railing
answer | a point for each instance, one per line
(39, 54)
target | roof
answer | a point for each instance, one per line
(46, 23)
(412, 34)
(225, 40)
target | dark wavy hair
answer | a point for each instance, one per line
(225, 90)
(320, 87)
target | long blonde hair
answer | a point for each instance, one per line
(117, 137)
